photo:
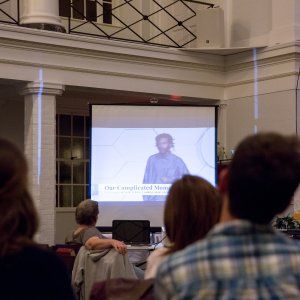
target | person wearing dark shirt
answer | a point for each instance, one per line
(34, 274)
(163, 167)
(26, 271)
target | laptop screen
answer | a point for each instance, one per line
(132, 231)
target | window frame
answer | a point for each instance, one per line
(85, 159)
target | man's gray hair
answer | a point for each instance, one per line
(87, 212)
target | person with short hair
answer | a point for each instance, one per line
(87, 234)
(26, 271)
(243, 257)
(192, 208)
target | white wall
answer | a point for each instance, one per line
(275, 112)
(247, 22)
(64, 223)
(260, 22)
(251, 22)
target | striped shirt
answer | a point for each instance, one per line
(237, 260)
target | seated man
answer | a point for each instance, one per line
(87, 234)
(243, 257)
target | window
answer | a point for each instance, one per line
(72, 159)
(107, 12)
(64, 8)
(78, 9)
(91, 10)
(88, 8)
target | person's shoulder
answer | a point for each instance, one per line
(37, 250)
(153, 156)
(92, 231)
(283, 241)
(181, 269)
(38, 260)
(42, 273)
(89, 233)
(41, 256)
(70, 237)
(195, 253)
(175, 157)
(160, 252)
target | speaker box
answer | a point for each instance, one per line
(210, 29)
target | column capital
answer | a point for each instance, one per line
(46, 88)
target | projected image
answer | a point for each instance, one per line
(140, 164)
(163, 167)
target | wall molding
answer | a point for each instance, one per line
(50, 49)
(261, 79)
(71, 56)
(116, 74)
(95, 47)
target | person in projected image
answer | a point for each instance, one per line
(163, 167)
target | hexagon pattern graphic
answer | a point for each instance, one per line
(119, 156)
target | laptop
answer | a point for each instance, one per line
(132, 232)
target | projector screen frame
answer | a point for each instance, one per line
(176, 104)
(185, 104)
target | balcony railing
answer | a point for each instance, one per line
(159, 22)
(169, 23)
(10, 12)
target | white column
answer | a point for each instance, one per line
(41, 14)
(40, 151)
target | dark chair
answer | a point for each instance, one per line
(67, 253)
(43, 246)
(121, 288)
(74, 247)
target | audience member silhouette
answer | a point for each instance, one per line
(26, 271)
(243, 257)
(86, 233)
(192, 207)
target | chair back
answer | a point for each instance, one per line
(123, 288)
(67, 253)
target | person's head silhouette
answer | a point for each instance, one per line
(19, 221)
(164, 142)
